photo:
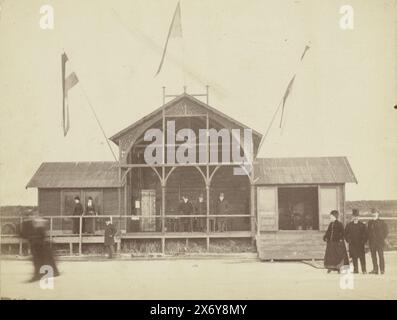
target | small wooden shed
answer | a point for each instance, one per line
(294, 199)
(59, 182)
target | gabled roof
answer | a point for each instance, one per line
(318, 170)
(115, 137)
(76, 175)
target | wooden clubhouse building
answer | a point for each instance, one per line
(282, 204)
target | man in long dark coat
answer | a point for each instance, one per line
(110, 232)
(335, 252)
(222, 208)
(186, 208)
(78, 212)
(377, 233)
(200, 209)
(356, 236)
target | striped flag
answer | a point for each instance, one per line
(68, 82)
(175, 31)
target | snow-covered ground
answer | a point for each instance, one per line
(225, 278)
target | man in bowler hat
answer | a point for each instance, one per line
(110, 232)
(356, 236)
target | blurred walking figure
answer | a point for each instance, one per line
(356, 236)
(335, 253)
(34, 230)
(222, 208)
(77, 211)
(110, 232)
(89, 223)
(377, 233)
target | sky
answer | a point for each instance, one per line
(247, 51)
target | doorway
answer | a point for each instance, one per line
(298, 208)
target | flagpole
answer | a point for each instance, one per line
(282, 102)
(93, 111)
(97, 120)
(183, 47)
(269, 126)
(168, 38)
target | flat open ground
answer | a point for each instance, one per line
(225, 278)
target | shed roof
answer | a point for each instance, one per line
(318, 170)
(76, 175)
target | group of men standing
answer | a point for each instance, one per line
(186, 207)
(356, 234)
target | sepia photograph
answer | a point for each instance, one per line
(222, 150)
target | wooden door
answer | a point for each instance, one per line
(148, 210)
(267, 208)
(67, 208)
(328, 201)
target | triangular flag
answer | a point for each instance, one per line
(290, 84)
(67, 83)
(304, 51)
(286, 94)
(175, 31)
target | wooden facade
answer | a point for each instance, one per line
(144, 198)
(301, 241)
(59, 203)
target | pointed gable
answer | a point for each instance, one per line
(183, 105)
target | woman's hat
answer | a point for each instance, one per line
(335, 213)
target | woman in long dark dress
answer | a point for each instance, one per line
(89, 223)
(335, 253)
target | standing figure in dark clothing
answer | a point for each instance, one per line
(186, 208)
(377, 233)
(77, 211)
(110, 232)
(200, 209)
(89, 223)
(222, 208)
(33, 229)
(335, 252)
(356, 236)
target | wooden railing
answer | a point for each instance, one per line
(164, 220)
(159, 230)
